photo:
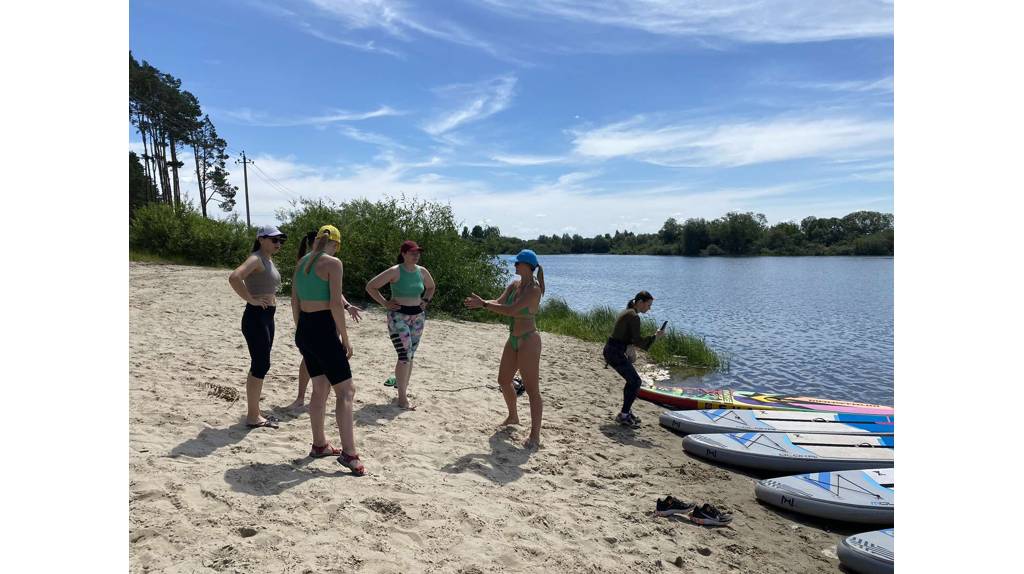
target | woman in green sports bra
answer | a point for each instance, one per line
(521, 302)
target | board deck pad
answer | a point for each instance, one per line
(865, 496)
(794, 452)
(698, 398)
(869, 552)
(741, 420)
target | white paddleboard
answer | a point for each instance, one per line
(739, 420)
(850, 495)
(794, 452)
(869, 553)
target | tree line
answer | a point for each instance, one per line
(170, 120)
(735, 233)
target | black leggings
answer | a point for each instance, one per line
(258, 330)
(615, 355)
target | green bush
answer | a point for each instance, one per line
(183, 234)
(371, 234)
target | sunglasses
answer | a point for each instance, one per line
(277, 240)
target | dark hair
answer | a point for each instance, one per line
(255, 246)
(638, 298)
(306, 243)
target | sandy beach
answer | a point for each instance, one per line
(446, 490)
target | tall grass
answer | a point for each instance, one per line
(676, 349)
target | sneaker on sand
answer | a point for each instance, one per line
(672, 505)
(627, 419)
(708, 515)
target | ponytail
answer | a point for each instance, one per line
(306, 243)
(638, 298)
(255, 246)
(319, 245)
(540, 278)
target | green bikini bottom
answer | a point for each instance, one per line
(516, 339)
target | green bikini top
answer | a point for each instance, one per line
(308, 285)
(524, 311)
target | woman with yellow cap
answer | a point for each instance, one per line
(318, 308)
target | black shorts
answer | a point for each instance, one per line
(317, 339)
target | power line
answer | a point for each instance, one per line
(273, 183)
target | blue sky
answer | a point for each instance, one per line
(544, 116)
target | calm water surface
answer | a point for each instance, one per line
(816, 325)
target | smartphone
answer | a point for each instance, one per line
(663, 325)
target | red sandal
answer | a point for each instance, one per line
(353, 463)
(322, 451)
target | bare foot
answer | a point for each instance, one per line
(532, 443)
(406, 406)
(509, 421)
(297, 407)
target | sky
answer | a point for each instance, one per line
(542, 117)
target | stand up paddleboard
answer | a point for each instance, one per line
(735, 420)
(850, 495)
(694, 398)
(868, 553)
(794, 452)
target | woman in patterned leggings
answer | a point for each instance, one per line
(412, 288)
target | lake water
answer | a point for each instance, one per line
(822, 326)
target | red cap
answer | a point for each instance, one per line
(410, 246)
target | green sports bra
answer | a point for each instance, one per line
(308, 285)
(409, 284)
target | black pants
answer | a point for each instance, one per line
(258, 330)
(615, 356)
(316, 336)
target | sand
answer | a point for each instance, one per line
(446, 490)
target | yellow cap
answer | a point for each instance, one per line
(331, 232)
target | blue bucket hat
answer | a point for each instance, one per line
(529, 257)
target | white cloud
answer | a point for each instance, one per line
(527, 160)
(777, 21)
(263, 119)
(343, 21)
(369, 137)
(474, 102)
(882, 86)
(736, 144)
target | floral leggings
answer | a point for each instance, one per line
(405, 331)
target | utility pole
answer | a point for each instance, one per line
(245, 174)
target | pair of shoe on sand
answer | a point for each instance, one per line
(705, 515)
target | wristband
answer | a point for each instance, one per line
(347, 306)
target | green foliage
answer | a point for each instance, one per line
(737, 233)
(140, 186)
(372, 232)
(180, 233)
(675, 348)
(861, 232)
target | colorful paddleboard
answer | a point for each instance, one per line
(736, 420)
(794, 452)
(849, 495)
(693, 398)
(869, 553)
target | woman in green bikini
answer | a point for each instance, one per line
(521, 301)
